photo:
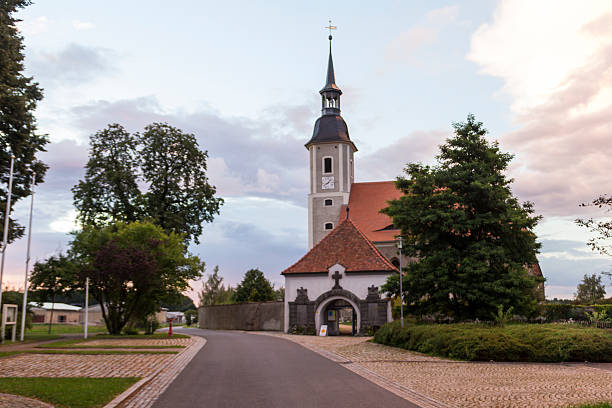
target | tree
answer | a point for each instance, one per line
(159, 176)
(19, 96)
(109, 192)
(254, 288)
(590, 290)
(132, 268)
(179, 198)
(214, 292)
(471, 237)
(53, 277)
(178, 303)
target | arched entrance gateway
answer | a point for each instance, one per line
(337, 284)
(328, 310)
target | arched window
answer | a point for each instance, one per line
(329, 226)
(327, 165)
(329, 202)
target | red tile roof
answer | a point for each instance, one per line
(345, 245)
(365, 202)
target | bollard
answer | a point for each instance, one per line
(170, 328)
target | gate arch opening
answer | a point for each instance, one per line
(322, 310)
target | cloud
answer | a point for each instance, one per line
(557, 69)
(82, 25)
(389, 162)
(247, 157)
(403, 47)
(74, 63)
(35, 26)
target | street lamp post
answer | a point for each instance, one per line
(6, 222)
(399, 246)
(86, 307)
(25, 288)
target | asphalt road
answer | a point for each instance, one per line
(236, 370)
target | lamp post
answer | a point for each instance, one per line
(27, 264)
(6, 222)
(399, 246)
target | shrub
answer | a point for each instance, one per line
(130, 331)
(515, 342)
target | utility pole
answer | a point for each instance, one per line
(25, 288)
(399, 246)
(86, 306)
(6, 222)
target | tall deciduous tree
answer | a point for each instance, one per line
(590, 290)
(179, 197)
(214, 292)
(109, 191)
(254, 288)
(19, 96)
(159, 175)
(471, 237)
(132, 268)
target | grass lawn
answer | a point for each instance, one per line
(40, 328)
(94, 352)
(599, 405)
(75, 392)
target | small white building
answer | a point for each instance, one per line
(62, 313)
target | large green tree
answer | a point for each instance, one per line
(159, 175)
(19, 96)
(471, 238)
(254, 288)
(132, 267)
(590, 290)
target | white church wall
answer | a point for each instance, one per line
(317, 284)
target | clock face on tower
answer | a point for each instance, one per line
(327, 183)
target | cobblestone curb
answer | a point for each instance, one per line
(146, 391)
(17, 401)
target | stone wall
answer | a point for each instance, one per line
(243, 316)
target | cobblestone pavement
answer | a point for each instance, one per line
(74, 365)
(151, 388)
(17, 401)
(435, 382)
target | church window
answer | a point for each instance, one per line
(327, 165)
(328, 202)
(329, 226)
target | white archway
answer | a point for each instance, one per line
(321, 307)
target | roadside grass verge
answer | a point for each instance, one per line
(97, 352)
(42, 328)
(76, 343)
(514, 342)
(71, 392)
(596, 405)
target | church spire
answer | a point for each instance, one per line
(330, 94)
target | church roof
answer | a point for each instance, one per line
(347, 246)
(365, 202)
(329, 129)
(330, 83)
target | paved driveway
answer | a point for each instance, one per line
(238, 370)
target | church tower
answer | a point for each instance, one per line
(331, 162)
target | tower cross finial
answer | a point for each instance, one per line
(331, 27)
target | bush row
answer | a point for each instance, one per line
(515, 342)
(554, 312)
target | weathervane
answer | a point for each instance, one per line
(330, 27)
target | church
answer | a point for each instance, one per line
(352, 246)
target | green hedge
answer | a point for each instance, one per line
(515, 342)
(555, 312)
